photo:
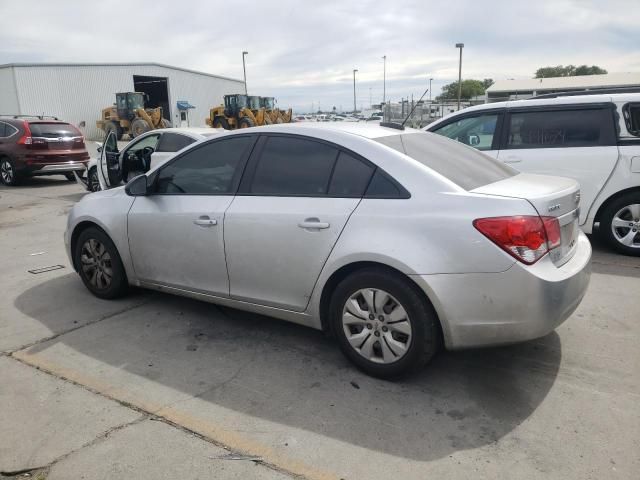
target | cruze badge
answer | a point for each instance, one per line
(553, 208)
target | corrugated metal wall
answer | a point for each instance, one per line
(8, 94)
(77, 93)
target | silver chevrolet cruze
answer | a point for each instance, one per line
(392, 240)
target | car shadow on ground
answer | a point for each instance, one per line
(291, 375)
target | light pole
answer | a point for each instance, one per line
(460, 46)
(384, 79)
(430, 80)
(354, 91)
(245, 73)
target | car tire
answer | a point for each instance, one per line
(99, 264)
(70, 176)
(166, 123)
(8, 174)
(246, 122)
(620, 224)
(221, 122)
(93, 182)
(410, 340)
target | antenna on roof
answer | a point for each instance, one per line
(414, 107)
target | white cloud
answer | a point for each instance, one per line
(304, 52)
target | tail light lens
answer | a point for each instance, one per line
(525, 237)
(25, 139)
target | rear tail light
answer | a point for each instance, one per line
(25, 139)
(526, 237)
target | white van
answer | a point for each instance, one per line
(594, 139)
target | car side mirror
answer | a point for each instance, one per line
(137, 186)
(474, 139)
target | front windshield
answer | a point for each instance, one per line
(135, 101)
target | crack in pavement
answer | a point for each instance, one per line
(107, 316)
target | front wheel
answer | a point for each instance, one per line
(99, 264)
(383, 323)
(620, 224)
(138, 127)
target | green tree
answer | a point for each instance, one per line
(487, 82)
(470, 88)
(569, 71)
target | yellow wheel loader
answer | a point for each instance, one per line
(128, 116)
(235, 113)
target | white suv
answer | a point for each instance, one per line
(594, 139)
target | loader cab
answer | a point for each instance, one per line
(267, 103)
(233, 104)
(254, 102)
(128, 102)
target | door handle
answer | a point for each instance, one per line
(314, 223)
(205, 221)
(512, 160)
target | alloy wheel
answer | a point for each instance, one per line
(94, 183)
(376, 325)
(6, 170)
(96, 264)
(626, 226)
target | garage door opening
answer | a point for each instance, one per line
(157, 88)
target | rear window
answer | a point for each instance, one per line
(53, 130)
(464, 166)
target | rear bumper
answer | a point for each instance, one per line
(61, 167)
(522, 303)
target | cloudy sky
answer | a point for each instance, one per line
(302, 51)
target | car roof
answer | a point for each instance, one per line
(366, 130)
(194, 132)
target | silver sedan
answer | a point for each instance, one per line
(392, 240)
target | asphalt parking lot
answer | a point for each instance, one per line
(156, 386)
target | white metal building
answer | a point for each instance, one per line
(77, 93)
(514, 89)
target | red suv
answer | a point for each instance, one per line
(39, 146)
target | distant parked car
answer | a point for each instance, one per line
(389, 239)
(39, 145)
(140, 155)
(594, 139)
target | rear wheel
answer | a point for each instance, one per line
(221, 122)
(384, 325)
(138, 127)
(620, 224)
(246, 122)
(99, 264)
(8, 174)
(110, 127)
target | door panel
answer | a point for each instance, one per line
(574, 143)
(275, 252)
(178, 240)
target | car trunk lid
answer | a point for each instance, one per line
(557, 197)
(55, 137)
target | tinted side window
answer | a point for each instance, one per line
(293, 166)
(172, 142)
(206, 170)
(350, 177)
(561, 128)
(382, 187)
(477, 131)
(3, 129)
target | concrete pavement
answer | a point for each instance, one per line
(560, 407)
